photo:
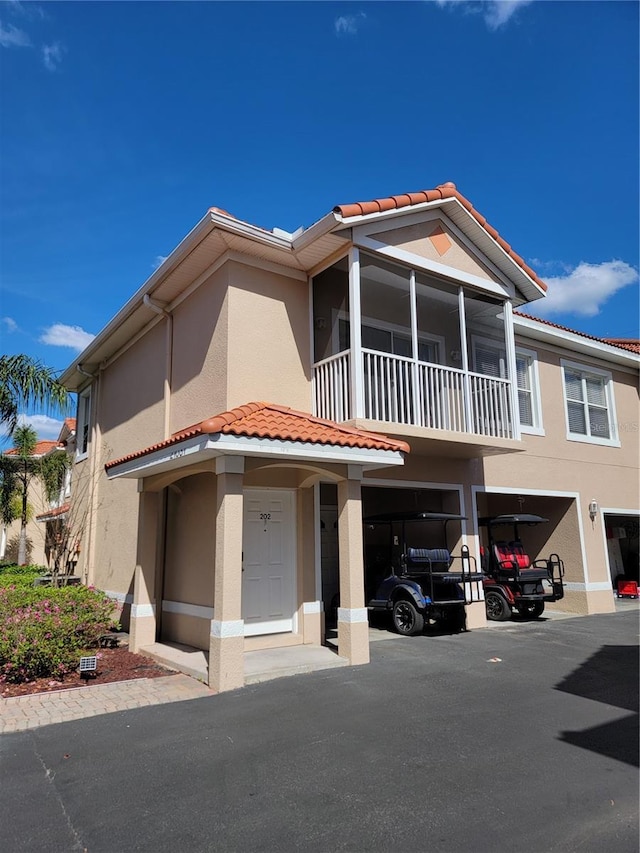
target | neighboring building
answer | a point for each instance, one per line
(36, 503)
(399, 377)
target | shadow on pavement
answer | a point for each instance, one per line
(609, 676)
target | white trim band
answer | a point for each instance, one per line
(351, 615)
(224, 630)
(311, 607)
(184, 609)
(120, 597)
(140, 611)
(596, 586)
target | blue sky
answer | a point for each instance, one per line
(121, 123)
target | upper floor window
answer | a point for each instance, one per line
(589, 404)
(83, 423)
(490, 359)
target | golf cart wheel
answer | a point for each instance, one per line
(406, 619)
(531, 610)
(498, 608)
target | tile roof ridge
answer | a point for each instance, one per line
(441, 192)
(611, 341)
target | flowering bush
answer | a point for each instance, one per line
(43, 631)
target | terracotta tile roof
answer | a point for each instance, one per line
(70, 424)
(442, 191)
(54, 513)
(267, 420)
(629, 344)
(40, 449)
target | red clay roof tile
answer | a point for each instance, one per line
(54, 513)
(268, 420)
(630, 344)
(442, 191)
(40, 449)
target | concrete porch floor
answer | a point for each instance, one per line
(261, 665)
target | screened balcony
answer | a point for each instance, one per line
(398, 346)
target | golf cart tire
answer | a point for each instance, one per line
(407, 620)
(532, 610)
(498, 608)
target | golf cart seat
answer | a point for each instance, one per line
(512, 559)
(433, 557)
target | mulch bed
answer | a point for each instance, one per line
(113, 665)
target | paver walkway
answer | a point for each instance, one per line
(20, 713)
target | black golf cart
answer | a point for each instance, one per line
(512, 581)
(424, 584)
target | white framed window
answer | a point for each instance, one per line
(490, 359)
(529, 404)
(589, 404)
(83, 424)
(387, 337)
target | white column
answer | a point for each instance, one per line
(468, 414)
(355, 342)
(510, 348)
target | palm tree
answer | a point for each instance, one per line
(18, 467)
(24, 382)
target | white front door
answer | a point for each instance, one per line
(268, 561)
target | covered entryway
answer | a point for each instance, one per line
(254, 584)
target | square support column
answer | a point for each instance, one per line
(142, 625)
(353, 623)
(307, 533)
(226, 643)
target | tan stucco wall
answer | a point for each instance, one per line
(190, 540)
(268, 338)
(415, 238)
(200, 355)
(130, 416)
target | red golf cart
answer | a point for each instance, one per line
(512, 580)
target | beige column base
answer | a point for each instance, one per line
(142, 627)
(476, 615)
(353, 635)
(312, 622)
(226, 658)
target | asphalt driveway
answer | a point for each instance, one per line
(522, 737)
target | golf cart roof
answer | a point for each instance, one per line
(390, 517)
(520, 518)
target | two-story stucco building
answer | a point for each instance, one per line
(391, 343)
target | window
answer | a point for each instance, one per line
(490, 360)
(383, 337)
(83, 423)
(589, 404)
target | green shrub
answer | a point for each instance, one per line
(13, 575)
(44, 631)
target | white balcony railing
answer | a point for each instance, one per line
(402, 391)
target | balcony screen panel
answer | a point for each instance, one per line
(330, 305)
(438, 316)
(385, 302)
(485, 333)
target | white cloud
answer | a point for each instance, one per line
(13, 37)
(52, 55)
(160, 259)
(496, 13)
(348, 25)
(10, 324)
(584, 290)
(46, 427)
(60, 335)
